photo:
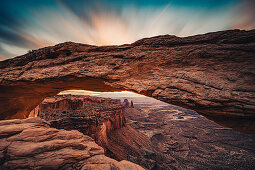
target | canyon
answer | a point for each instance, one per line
(104, 120)
(32, 144)
(212, 73)
(193, 141)
(149, 132)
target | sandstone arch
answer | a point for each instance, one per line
(213, 74)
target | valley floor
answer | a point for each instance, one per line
(192, 140)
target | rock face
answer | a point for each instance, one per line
(102, 119)
(213, 74)
(89, 115)
(32, 144)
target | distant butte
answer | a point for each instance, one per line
(213, 73)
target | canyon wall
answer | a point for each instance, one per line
(213, 73)
(93, 116)
(102, 119)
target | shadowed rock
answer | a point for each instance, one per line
(213, 74)
(103, 119)
(32, 144)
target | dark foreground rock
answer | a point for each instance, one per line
(32, 144)
(213, 73)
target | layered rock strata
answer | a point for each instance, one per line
(102, 119)
(32, 144)
(213, 73)
(89, 115)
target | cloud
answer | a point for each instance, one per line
(4, 54)
(245, 15)
(101, 22)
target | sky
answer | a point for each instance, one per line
(101, 94)
(33, 24)
(136, 98)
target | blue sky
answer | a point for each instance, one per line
(32, 24)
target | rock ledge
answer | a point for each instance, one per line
(32, 144)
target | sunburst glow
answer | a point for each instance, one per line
(36, 24)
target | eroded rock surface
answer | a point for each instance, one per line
(191, 139)
(83, 113)
(103, 119)
(32, 144)
(213, 74)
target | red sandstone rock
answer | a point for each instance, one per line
(102, 119)
(32, 144)
(213, 73)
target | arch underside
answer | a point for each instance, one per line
(213, 74)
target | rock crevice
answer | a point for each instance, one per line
(32, 144)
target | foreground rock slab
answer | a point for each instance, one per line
(213, 74)
(32, 144)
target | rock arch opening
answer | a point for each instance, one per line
(109, 118)
(24, 97)
(17, 101)
(204, 73)
(145, 133)
(211, 73)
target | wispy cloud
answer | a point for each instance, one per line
(35, 25)
(245, 15)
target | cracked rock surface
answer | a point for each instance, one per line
(213, 74)
(32, 144)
